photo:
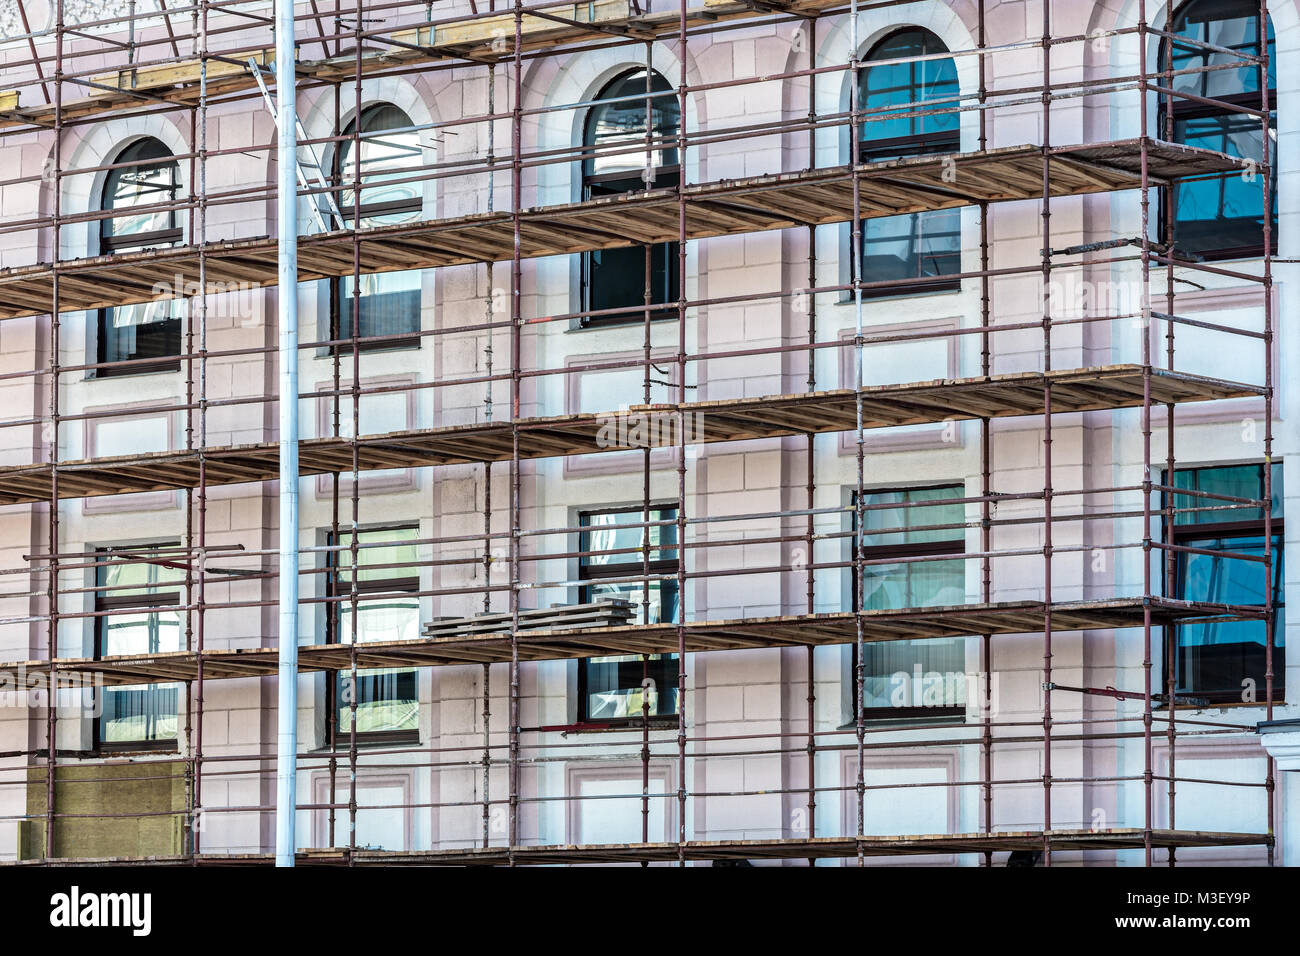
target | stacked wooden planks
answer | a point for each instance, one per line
(611, 612)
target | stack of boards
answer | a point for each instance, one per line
(608, 613)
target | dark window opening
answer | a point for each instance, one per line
(921, 678)
(1220, 217)
(148, 330)
(908, 248)
(387, 303)
(131, 601)
(610, 689)
(617, 279)
(1225, 662)
(387, 609)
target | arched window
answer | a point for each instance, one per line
(1220, 217)
(145, 177)
(616, 278)
(914, 245)
(389, 153)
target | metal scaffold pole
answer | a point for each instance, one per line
(287, 223)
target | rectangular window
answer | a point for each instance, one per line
(616, 278)
(912, 246)
(134, 588)
(610, 688)
(1225, 662)
(389, 305)
(923, 678)
(387, 609)
(1222, 217)
(148, 330)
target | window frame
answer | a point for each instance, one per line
(337, 588)
(953, 547)
(667, 176)
(658, 566)
(1168, 115)
(1174, 568)
(122, 603)
(340, 302)
(111, 245)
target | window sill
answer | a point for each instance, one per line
(136, 747)
(908, 292)
(622, 726)
(1224, 705)
(638, 322)
(1252, 254)
(132, 371)
(374, 740)
(943, 720)
(404, 344)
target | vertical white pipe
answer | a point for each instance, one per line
(286, 763)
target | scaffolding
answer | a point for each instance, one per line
(192, 62)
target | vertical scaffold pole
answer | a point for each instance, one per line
(1047, 432)
(287, 315)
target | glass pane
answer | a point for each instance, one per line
(1237, 481)
(899, 674)
(1231, 24)
(614, 686)
(387, 701)
(1218, 657)
(911, 246)
(623, 123)
(123, 578)
(931, 82)
(146, 184)
(140, 713)
(915, 521)
(929, 583)
(907, 674)
(616, 280)
(385, 158)
(390, 304)
(1222, 212)
(923, 244)
(381, 619)
(387, 698)
(150, 330)
(150, 633)
(383, 546)
(603, 536)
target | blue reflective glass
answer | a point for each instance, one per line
(1223, 216)
(923, 244)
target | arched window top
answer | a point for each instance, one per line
(390, 149)
(916, 80)
(143, 177)
(622, 121)
(146, 176)
(1230, 24)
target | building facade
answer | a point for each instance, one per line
(838, 346)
